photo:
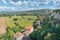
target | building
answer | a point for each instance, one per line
(28, 30)
(18, 36)
(24, 35)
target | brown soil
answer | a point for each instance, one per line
(3, 25)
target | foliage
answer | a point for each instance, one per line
(47, 31)
(10, 32)
(17, 24)
(14, 24)
(15, 19)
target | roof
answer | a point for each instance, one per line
(18, 34)
(28, 28)
(26, 33)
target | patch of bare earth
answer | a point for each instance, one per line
(3, 25)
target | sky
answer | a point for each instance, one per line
(23, 5)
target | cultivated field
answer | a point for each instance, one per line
(3, 25)
(15, 21)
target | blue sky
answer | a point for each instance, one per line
(23, 5)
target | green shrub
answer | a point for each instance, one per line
(15, 19)
(16, 23)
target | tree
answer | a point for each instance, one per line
(47, 31)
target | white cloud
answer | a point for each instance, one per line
(4, 1)
(45, 1)
(7, 8)
(56, 2)
(34, 3)
(25, 2)
(1, 8)
(41, 2)
(15, 3)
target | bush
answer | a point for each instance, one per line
(29, 19)
(15, 19)
(16, 24)
(10, 16)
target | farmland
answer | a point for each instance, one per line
(21, 21)
(14, 22)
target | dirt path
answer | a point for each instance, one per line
(3, 25)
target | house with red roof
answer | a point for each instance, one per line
(25, 34)
(18, 36)
(28, 30)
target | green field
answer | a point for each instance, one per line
(16, 24)
(25, 21)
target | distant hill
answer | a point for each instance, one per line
(31, 12)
